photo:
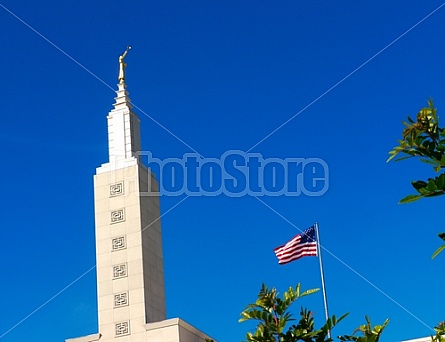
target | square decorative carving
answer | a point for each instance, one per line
(121, 299)
(117, 216)
(122, 328)
(119, 271)
(117, 189)
(118, 243)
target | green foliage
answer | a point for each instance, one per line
(273, 316)
(440, 333)
(424, 138)
(272, 313)
(369, 334)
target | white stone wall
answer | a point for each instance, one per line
(130, 276)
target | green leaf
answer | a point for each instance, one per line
(440, 182)
(401, 158)
(341, 318)
(442, 160)
(431, 185)
(440, 249)
(434, 194)
(410, 198)
(393, 154)
(441, 146)
(419, 185)
(308, 292)
(430, 161)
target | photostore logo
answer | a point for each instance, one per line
(237, 174)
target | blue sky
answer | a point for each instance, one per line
(222, 76)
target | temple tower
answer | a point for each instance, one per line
(130, 271)
(129, 263)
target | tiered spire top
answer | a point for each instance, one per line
(124, 142)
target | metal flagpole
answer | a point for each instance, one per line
(325, 300)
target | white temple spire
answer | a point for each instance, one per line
(129, 259)
(124, 140)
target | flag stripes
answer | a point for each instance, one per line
(304, 244)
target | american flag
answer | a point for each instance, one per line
(304, 244)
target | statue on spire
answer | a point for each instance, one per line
(122, 65)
